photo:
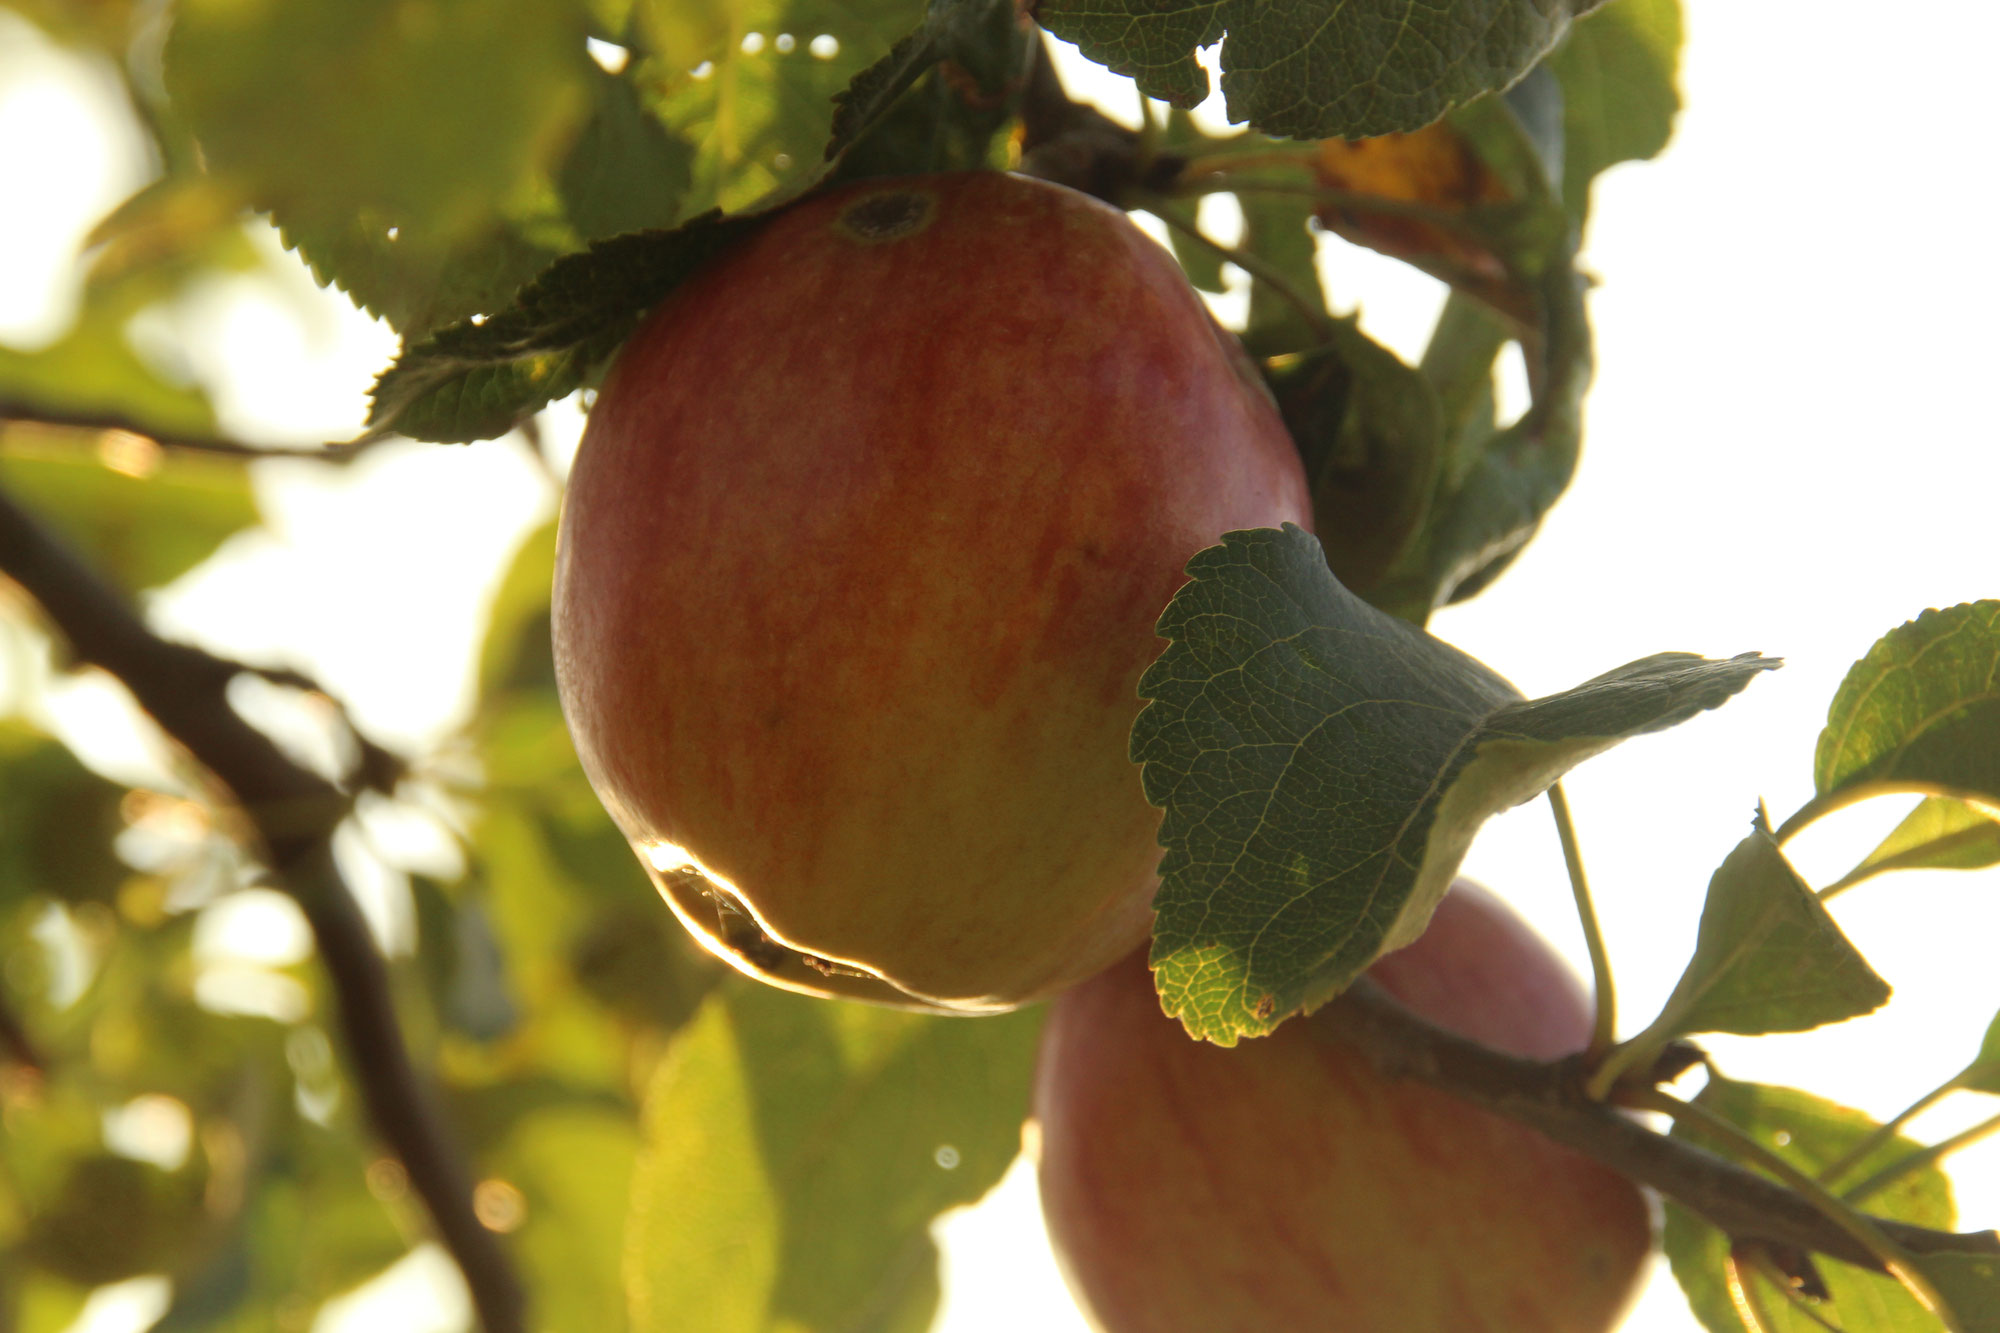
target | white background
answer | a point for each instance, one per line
(1791, 449)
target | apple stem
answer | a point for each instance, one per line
(1604, 1025)
(1860, 1228)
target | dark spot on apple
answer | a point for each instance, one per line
(888, 216)
(1266, 1006)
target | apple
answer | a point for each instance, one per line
(1285, 1184)
(859, 566)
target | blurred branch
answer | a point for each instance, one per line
(17, 413)
(294, 814)
(1549, 1098)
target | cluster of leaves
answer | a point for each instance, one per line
(577, 160)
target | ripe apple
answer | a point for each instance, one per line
(1286, 1184)
(859, 567)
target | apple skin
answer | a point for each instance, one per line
(1285, 1184)
(859, 566)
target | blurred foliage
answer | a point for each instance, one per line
(145, 519)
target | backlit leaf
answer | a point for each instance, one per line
(796, 1152)
(1921, 708)
(568, 1171)
(1940, 834)
(1619, 70)
(1768, 958)
(1983, 1074)
(1970, 1285)
(750, 84)
(1811, 1134)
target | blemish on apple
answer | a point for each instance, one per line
(889, 216)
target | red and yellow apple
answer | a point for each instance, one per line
(859, 566)
(1285, 1184)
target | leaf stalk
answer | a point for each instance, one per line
(1604, 1021)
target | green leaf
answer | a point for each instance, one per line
(1323, 767)
(309, 1228)
(38, 1303)
(143, 532)
(625, 171)
(1811, 1134)
(573, 1170)
(1970, 1285)
(1767, 958)
(757, 110)
(1983, 1074)
(1316, 69)
(57, 820)
(1921, 709)
(92, 375)
(796, 1152)
(477, 380)
(1277, 229)
(1940, 834)
(1488, 222)
(516, 652)
(861, 105)
(1497, 485)
(115, 1218)
(1619, 70)
(414, 282)
(414, 131)
(1370, 431)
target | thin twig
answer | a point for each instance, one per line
(14, 412)
(294, 814)
(1549, 1098)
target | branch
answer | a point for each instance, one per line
(294, 814)
(17, 412)
(1549, 1099)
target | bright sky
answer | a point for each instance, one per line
(1790, 449)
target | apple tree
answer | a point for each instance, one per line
(605, 1124)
